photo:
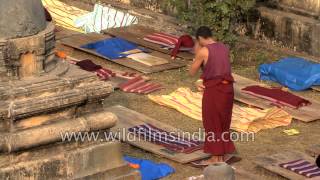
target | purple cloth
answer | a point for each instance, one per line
(166, 139)
(302, 167)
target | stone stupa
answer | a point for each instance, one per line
(42, 97)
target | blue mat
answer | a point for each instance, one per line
(150, 170)
(295, 73)
(112, 48)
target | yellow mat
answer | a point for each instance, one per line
(63, 14)
(244, 119)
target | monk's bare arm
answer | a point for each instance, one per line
(201, 56)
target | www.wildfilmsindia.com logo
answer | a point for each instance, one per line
(124, 135)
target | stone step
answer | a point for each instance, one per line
(51, 101)
(51, 133)
(65, 161)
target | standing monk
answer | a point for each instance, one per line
(218, 94)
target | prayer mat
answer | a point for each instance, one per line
(244, 119)
(302, 167)
(140, 86)
(166, 139)
(277, 96)
(63, 14)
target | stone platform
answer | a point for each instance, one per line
(68, 161)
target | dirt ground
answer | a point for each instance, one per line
(247, 59)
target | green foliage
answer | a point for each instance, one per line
(221, 15)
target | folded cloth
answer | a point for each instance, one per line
(302, 167)
(88, 65)
(296, 73)
(166, 139)
(183, 41)
(104, 17)
(150, 170)
(276, 96)
(244, 119)
(112, 48)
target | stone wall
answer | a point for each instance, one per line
(294, 23)
(311, 7)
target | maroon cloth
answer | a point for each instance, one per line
(218, 64)
(88, 65)
(277, 96)
(183, 41)
(217, 102)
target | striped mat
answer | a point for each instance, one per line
(63, 14)
(244, 119)
(302, 167)
(140, 86)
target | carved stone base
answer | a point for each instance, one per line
(68, 161)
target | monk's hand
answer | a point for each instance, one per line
(200, 86)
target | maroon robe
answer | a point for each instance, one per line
(217, 101)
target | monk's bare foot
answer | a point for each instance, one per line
(212, 160)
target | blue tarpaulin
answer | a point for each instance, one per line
(150, 170)
(112, 48)
(295, 73)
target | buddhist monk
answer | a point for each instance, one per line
(213, 57)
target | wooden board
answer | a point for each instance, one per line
(242, 174)
(129, 118)
(78, 40)
(136, 33)
(271, 163)
(148, 59)
(305, 114)
(317, 88)
(314, 150)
